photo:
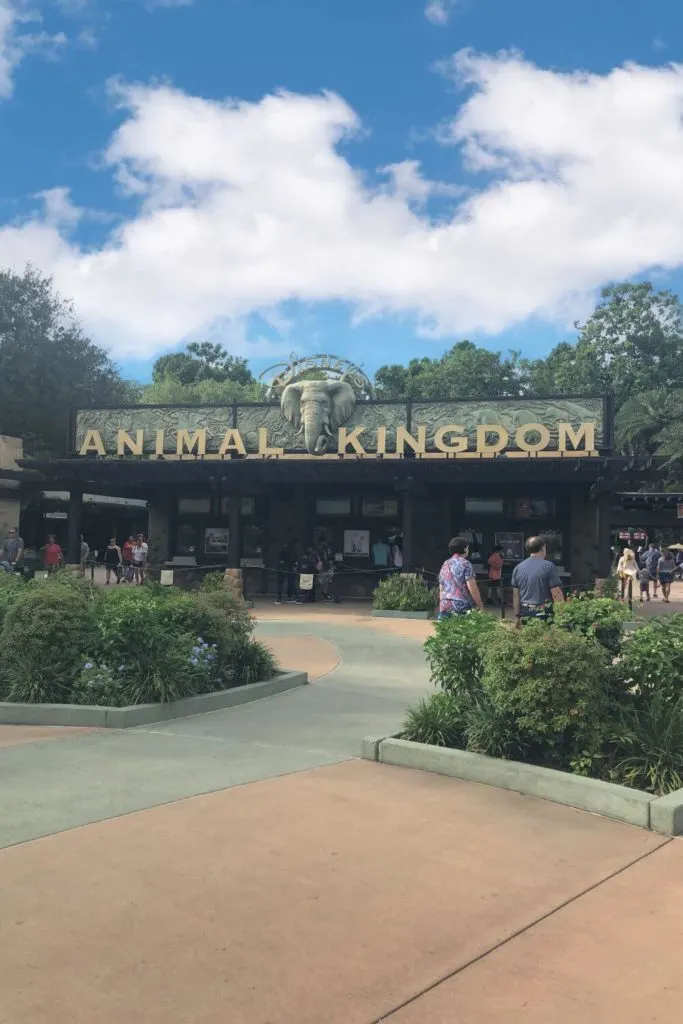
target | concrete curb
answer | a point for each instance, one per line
(381, 613)
(146, 714)
(666, 814)
(605, 798)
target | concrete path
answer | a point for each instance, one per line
(351, 894)
(363, 679)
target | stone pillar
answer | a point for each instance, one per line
(75, 525)
(159, 529)
(235, 540)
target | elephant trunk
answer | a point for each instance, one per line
(314, 436)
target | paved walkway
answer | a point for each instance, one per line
(329, 890)
(49, 785)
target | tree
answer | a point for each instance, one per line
(202, 361)
(652, 423)
(47, 365)
(202, 392)
(632, 343)
(464, 371)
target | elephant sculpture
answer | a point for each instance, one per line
(318, 408)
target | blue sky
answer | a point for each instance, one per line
(520, 186)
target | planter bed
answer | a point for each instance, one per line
(661, 814)
(145, 714)
(384, 613)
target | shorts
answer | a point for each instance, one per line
(666, 577)
(541, 611)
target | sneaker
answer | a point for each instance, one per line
(278, 601)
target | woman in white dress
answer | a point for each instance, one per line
(627, 569)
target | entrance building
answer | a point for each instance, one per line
(231, 485)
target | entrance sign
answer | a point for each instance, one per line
(324, 420)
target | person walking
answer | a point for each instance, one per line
(327, 572)
(458, 590)
(85, 555)
(127, 551)
(651, 561)
(496, 574)
(52, 555)
(666, 567)
(112, 561)
(536, 585)
(627, 570)
(12, 550)
(286, 573)
(644, 579)
(139, 559)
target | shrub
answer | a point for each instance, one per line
(137, 633)
(253, 662)
(438, 719)
(600, 618)
(46, 631)
(455, 651)
(403, 594)
(610, 587)
(98, 685)
(554, 685)
(652, 659)
(492, 731)
(649, 752)
(12, 588)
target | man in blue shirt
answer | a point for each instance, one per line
(535, 584)
(651, 561)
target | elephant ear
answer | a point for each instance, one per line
(343, 402)
(290, 403)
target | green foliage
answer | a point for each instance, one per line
(652, 659)
(553, 684)
(124, 646)
(47, 364)
(649, 751)
(12, 588)
(253, 662)
(203, 374)
(600, 618)
(493, 731)
(45, 632)
(610, 587)
(402, 594)
(438, 720)
(464, 371)
(455, 652)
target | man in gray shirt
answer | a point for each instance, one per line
(13, 548)
(535, 584)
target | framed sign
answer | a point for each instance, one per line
(333, 506)
(484, 506)
(512, 545)
(381, 508)
(534, 508)
(216, 540)
(357, 543)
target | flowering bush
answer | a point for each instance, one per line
(119, 647)
(98, 684)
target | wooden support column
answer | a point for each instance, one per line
(407, 526)
(235, 541)
(75, 527)
(604, 532)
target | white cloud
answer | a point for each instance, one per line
(439, 11)
(17, 41)
(244, 206)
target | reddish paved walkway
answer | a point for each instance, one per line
(337, 895)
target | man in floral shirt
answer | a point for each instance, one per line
(458, 590)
